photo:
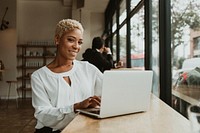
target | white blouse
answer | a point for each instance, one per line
(53, 98)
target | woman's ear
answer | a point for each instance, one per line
(57, 38)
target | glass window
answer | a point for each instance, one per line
(137, 40)
(185, 53)
(155, 46)
(122, 34)
(114, 47)
(123, 12)
(196, 46)
(114, 25)
(134, 3)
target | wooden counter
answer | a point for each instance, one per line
(160, 118)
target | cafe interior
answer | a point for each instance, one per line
(158, 35)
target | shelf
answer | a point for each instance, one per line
(35, 57)
(24, 77)
(30, 67)
(31, 58)
(36, 46)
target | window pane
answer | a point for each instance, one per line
(123, 11)
(114, 25)
(185, 53)
(122, 34)
(137, 40)
(155, 46)
(134, 3)
(114, 48)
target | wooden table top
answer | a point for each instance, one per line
(160, 118)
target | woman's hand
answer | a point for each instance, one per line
(90, 102)
(95, 101)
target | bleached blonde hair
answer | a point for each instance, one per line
(67, 25)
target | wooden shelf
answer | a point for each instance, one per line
(28, 62)
(36, 46)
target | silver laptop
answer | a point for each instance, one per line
(123, 92)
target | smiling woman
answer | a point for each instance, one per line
(66, 84)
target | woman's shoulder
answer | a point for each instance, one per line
(85, 65)
(87, 68)
(82, 63)
(39, 71)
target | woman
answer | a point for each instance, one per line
(65, 84)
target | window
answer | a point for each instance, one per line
(122, 34)
(196, 46)
(185, 52)
(134, 3)
(155, 46)
(114, 25)
(114, 47)
(123, 12)
(137, 39)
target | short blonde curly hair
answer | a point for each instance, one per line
(67, 25)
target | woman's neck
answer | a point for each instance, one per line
(60, 66)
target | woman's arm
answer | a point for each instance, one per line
(45, 112)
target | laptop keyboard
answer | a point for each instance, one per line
(94, 110)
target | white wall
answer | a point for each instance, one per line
(97, 24)
(93, 24)
(35, 20)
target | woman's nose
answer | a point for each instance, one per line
(76, 45)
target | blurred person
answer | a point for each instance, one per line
(65, 84)
(99, 55)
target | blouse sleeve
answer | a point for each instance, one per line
(45, 113)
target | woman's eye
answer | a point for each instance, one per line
(70, 39)
(80, 43)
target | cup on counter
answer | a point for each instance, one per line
(194, 117)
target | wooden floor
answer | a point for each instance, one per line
(17, 120)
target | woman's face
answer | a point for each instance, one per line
(69, 44)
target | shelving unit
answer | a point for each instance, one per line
(31, 57)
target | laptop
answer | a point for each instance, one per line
(123, 92)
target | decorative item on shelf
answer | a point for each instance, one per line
(1, 65)
(34, 64)
(28, 53)
(40, 43)
(4, 23)
(1, 68)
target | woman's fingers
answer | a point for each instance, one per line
(90, 102)
(95, 101)
(98, 98)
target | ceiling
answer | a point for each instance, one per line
(92, 5)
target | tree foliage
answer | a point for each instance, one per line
(183, 14)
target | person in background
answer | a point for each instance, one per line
(65, 84)
(99, 55)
